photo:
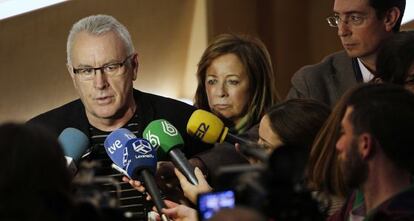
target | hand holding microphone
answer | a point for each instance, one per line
(138, 159)
(164, 136)
(210, 129)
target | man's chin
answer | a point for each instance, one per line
(353, 53)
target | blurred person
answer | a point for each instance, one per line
(323, 173)
(374, 153)
(103, 64)
(292, 123)
(33, 173)
(362, 25)
(396, 60)
(238, 213)
(35, 183)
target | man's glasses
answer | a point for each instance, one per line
(113, 69)
(352, 19)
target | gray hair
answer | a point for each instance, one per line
(98, 25)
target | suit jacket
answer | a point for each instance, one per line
(326, 81)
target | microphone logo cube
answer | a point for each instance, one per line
(142, 146)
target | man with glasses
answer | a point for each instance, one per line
(103, 64)
(362, 27)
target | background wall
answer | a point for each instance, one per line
(169, 35)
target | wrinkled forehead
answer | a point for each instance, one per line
(90, 48)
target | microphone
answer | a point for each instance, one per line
(210, 129)
(166, 139)
(74, 143)
(141, 165)
(115, 144)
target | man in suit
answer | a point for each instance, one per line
(362, 27)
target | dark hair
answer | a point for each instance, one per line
(297, 121)
(33, 174)
(323, 171)
(395, 58)
(386, 112)
(255, 59)
(382, 6)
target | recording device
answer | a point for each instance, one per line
(167, 140)
(74, 143)
(210, 129)
(277, 189)
(210, 203)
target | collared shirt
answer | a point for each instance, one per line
(366, 74)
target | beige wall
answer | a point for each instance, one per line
(33, 74)
(169, 35)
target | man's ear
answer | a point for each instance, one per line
(366, 145)
(135, 65)
(72, 75)
(391, 18)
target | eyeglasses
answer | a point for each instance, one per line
(113, 69)
(352, 19)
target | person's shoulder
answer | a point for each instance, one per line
(61, 115)
(328, 65)
(161, 101)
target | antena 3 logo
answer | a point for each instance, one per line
(142, 147)
(169, 128)
(201, 130)
(153, 139)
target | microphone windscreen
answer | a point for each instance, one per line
(207, 127)
(74, 142)
(163, 136)
(141, 155)
(115, 144)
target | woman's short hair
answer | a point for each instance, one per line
(255, 58)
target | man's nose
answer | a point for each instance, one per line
(100, 80)
(343, 29)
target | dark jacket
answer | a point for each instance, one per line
(149, 107)
(326, 81)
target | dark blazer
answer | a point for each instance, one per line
(326, 81)
(149, 107)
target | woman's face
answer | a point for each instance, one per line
(269, 139)
(227, 87)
